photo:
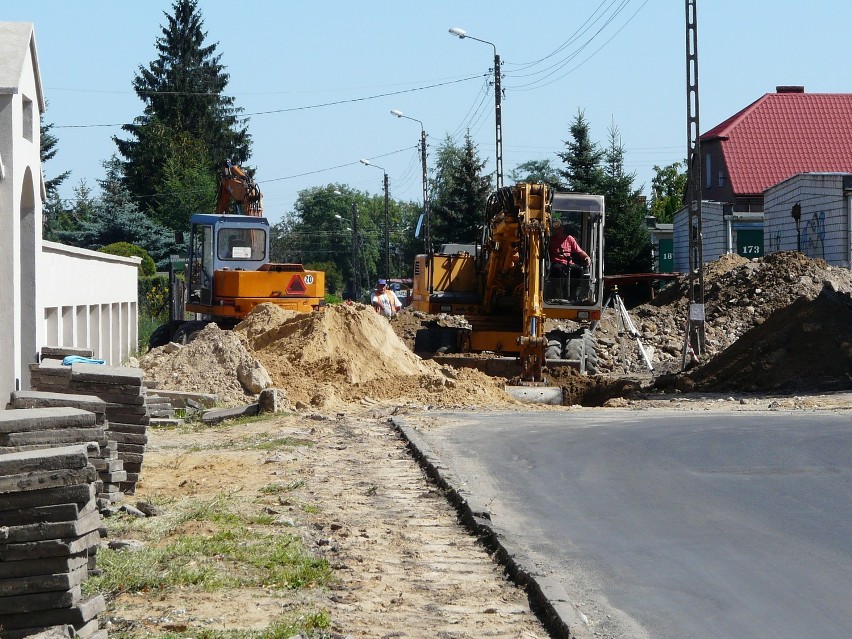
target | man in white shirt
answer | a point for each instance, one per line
(385, 300)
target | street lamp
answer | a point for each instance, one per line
(387, 232)
(462, 34)
(356, 288)
(428, 236)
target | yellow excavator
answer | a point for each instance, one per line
(506, 287)
(228, 272)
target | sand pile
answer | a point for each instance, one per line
(346, 353)
(214, 362)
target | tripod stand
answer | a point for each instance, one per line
(625, 326)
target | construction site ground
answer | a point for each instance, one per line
(778, 338)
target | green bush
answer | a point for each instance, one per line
(154, 296)
(124, 249)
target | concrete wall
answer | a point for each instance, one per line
(90, 300)
(823, 230)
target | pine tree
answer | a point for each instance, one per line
(627, 243)
(115, 217)
(185, 107)
(459, 194)
(582, 158)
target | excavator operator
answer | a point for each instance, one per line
(565, 253)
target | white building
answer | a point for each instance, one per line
(45, 286)
(822, 202)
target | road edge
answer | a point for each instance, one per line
(548, 599)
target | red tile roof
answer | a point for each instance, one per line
(782, 134)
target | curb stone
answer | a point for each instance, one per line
(547, 597)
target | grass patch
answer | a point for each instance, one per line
(277, 489)
(233, 551)
(285, 628)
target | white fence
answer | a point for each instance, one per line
(90, 301)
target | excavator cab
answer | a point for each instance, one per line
(223, 243)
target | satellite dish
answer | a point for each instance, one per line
(419, 226)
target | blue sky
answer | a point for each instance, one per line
(620, 61)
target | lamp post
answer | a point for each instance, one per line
(428, 235)
(462, 34)
(387, 231)
(356, 287)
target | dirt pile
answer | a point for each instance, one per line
(214, 362)
(740, 297)
(347, 353)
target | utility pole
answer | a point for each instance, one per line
(356, 287)
(694, 336)
(387, 231)
(498, 109)
(426, 216)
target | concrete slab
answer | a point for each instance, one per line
(536, 394)
(77, 494)
(13, 421)
(24, 482)
(44, 460)
(42, 399)
(221, 414)
(106, 374)
(48, 548)
(41, 601)
(53, 530)
(43, 583)
(51, 565)
(55, 437)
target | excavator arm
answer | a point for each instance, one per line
(235, 185)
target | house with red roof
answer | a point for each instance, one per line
(775, 137)
(790, 137)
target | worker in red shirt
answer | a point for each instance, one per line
(565, 252)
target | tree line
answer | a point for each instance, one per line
(164, 170)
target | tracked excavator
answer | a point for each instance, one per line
(228, 271)
(505, 287)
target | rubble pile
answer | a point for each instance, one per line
(215, 362)
(740, 296)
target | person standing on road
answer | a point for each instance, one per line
(385, 300)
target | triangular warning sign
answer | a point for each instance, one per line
(296, 286)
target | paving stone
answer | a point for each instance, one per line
(129, 438)
(43, 583)
(111, 398)
(48, 548)
(61, 352)
(90, 630)
(106, 374)
(40, 601)
(44, 460)
(221, 414)
(22, 516)
(130, 448)
(116, 416)
(107, 465)
(133, 429)
(114, 477)
(84, 611)
(43, 566)
(44, 399)
(55, 437)
(53, 530)
(166, 422)
(47, 479)
(76, 494)
(51, 418)
(179, 398)
(41, 632)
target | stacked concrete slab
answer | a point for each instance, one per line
(122, 390)
(56, 419)
(49, 529)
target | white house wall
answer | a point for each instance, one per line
(824, 220)
(90, 301)
(713, 228)
(21, 104)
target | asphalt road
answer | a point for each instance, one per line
(672, 525)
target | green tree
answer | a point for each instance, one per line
(186, 116)
(582, 159)
(668, 189)
(115, 217)
(54, 217)
(537, 171)
(626, 238)
(459, 193)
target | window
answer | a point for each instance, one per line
(721, 178)
(27, 105)
(708, 171)
(241, 244)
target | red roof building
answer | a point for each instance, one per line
(779, 135)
